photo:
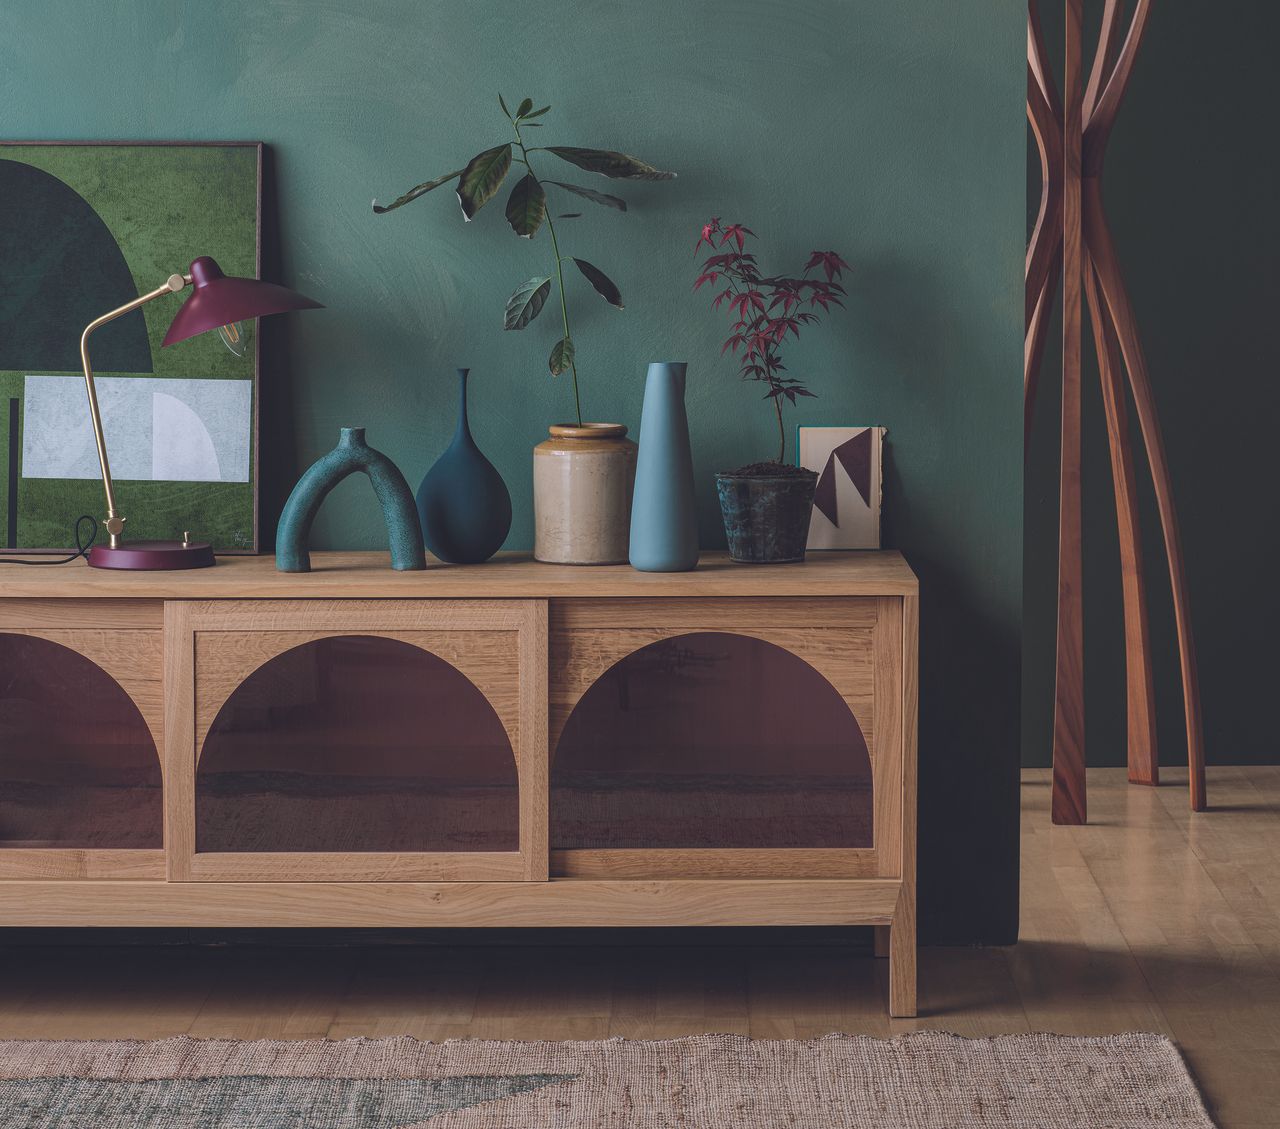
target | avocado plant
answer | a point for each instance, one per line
(528, 209)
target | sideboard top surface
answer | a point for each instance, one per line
(508, 576)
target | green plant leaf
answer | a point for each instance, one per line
(537, 113)
(414, 193)
(602, 282)
(504, 106)
(526, 206)
(482, 178)
(608, 163)
(592, 195)
(524, 107)
(526, 303)
(561, 356)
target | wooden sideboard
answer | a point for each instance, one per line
(513, 744)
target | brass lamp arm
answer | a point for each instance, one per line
(114, 523)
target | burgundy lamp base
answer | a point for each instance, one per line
(153, 556)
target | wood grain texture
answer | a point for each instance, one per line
(1102, 116)
(719, 614)
(225, 658)
(532, 657)
(1044, 250)
(358, 866)
(1104, 57)
(80, 863)
(1069, 802)
(128, 647)
(1113, 293)
(179, 740)
(1074, 232)
(84, 615)
(1103, 948)
(1124, 340)
(901, 941)
(844, 657)
(534, 761)
(729, 862)
(1140, 703)
(500, 645)
(560, 902)
(887, 745)
(507, 576)
(132, 658)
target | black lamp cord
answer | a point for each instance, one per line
(82, 547)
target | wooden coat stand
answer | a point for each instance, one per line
(1071, 236)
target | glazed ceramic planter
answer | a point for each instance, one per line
(582, 482)
(352, 455)
(463, 503)
(664, 518)
(766, 519)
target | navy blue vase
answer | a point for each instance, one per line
(463, 503)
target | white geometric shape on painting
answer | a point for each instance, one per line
(156, 428)
(182, 449)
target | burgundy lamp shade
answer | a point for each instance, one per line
(218, 300)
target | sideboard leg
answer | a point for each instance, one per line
(902, 960)
(882, 941)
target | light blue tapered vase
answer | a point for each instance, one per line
(664, 520)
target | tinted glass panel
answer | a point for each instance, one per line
(711, 740)
(78, 767)
(357, 743)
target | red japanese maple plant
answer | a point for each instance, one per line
(765, 309)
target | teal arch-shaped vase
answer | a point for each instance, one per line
(351, 455)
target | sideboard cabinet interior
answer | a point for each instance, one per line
(512, 744)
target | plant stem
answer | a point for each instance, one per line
(734, 278)
(564, 305)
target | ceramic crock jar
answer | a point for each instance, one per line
(582, 481)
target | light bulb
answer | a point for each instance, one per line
(234, 337)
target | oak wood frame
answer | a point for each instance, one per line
(191, 707)
(1071, 234)
(854, 643)
(124, 639)
(871, 593)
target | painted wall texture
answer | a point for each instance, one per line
(1191, 200)
(892, 132)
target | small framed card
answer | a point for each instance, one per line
(846, 504)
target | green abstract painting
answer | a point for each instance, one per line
(85, 228)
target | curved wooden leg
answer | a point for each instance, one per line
(1113, 293)
(1068, 800)
(1044, 251)
(1033, 345)
(1144, 765)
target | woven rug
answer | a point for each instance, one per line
(927, 1080)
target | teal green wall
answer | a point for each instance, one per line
(890, 131)
(1191, 199)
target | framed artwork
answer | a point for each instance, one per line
(84, 228)
(846, 503)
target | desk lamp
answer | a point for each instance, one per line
(217, 302)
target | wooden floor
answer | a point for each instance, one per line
(1150, 918)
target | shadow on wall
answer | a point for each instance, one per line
(970, 647)
(278, 451)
